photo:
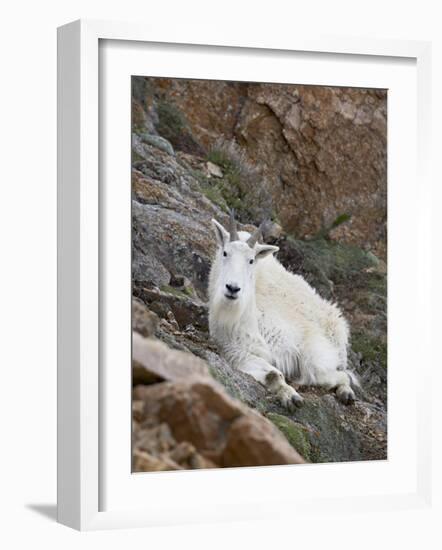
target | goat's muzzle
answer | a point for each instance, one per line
(232, 291)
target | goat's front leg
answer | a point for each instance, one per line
(273, 380)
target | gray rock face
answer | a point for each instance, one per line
(174, 199)
(158, 142)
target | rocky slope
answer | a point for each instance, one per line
(183, 175)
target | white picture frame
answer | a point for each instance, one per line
(80, 411)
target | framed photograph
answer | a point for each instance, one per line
(243, 264)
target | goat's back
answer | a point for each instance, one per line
(287, 298)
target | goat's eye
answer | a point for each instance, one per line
(225, 254)
(251, 261)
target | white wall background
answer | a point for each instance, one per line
(28, 268)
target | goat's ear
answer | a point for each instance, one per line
(263, 250)
(222, 235)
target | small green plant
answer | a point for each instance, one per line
(217, 157)
(242, 187)
(324, 233)
(172, 125)
(214, 194)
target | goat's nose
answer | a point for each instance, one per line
(233, 289)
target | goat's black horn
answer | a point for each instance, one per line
(254, 237)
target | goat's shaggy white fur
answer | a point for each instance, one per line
(272, 324)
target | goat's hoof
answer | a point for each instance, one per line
(289, 398)
(294, 402)
(345, 395)
(297, 400)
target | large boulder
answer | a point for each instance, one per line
(187, 414)
(161, 363)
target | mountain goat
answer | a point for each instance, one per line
(271, 323)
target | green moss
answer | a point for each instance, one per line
(372, 349)
(295, 434)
